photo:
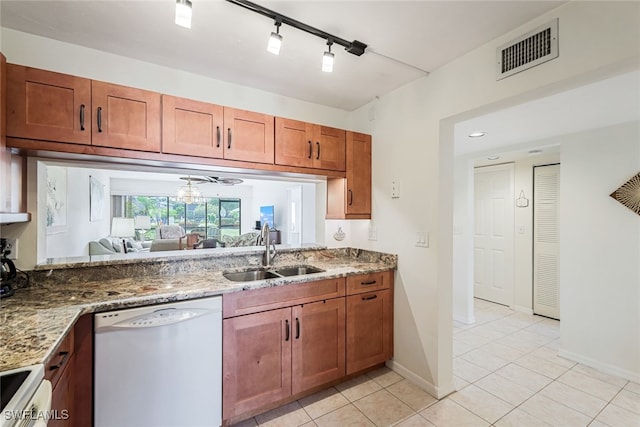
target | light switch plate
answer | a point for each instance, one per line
(422, 240)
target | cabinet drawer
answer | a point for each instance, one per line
(60, 359)
(247, 302)
(369, 282)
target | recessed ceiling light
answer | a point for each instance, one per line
(493, 158)
(477, 134)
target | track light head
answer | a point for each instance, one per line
(275, 40)
(327, 59)
(183, 13)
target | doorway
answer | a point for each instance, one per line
(493, 234)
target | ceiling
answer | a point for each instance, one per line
(228, 43)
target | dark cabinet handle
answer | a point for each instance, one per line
(63, 359)
(99, 119)
(370, 282)
(297, 328)
(350, 197)
(228, 138)
(286, 336)
(218, 136)
(310, 149)
(369, 297)
(82, 117)
(318, 155)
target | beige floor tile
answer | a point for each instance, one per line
(594, 373)
(309, 424)
(550, 330)
(518, 320)
(551, 354)
(589, 384)
(460, 348)
(555, 344)
(503, 351)
(323, 402)
(505, 389)
(596, 423)
(251, 422)
(448, 413)
(459, 383)
(291, 415)
(345, 416)
(383, 408)
(358, 388)
(628, 400)
(488, 331)
(482, 403)
(412, 395)
(616, 416)
(519, 418)
(468, 371)
(414, 421)
(525, 341)
(542, 366)
(385, 376)
(485, 316)
(524, 377)
(471, 339)
(485, 360)
(573, 398)
(505, 326)
(553, 412)
(634, 387)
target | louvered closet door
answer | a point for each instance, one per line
(546, 247)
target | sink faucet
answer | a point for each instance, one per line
(266, 239)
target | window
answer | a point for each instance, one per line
(213, 219)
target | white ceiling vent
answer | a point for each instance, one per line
(531, 49)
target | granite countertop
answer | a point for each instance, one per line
(36, 319)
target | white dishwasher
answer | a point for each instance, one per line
(159, 365)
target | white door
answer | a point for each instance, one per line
(294, 215)
(546, 250)
(493, 236)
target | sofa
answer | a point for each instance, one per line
(113, 245)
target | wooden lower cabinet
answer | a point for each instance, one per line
(63, 398)
(369, 329)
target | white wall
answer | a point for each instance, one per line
(600, 251)
(413, 142)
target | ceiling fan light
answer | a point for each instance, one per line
(183, 13)
(275, 42)
(327, 62)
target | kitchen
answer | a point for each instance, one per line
(423, 282)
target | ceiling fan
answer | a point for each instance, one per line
(213, 180)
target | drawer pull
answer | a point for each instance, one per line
(218, 136)
(228, 138)
(286, 337)
(99, 119)
(297, 328)
(318, 155)
(350, 197)
(63, 359)
(82, 117)
(370, 282)
(310, 149)
(370, 297)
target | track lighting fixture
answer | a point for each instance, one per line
(183, 13)
(327, 59)
(275, 40)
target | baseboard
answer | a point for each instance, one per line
(522, 309)
(601, 366)
(467, 320)
(437, 392)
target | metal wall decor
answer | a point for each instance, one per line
(629, 194)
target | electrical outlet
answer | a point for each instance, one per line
(12, 245)
(395, 189)
(373, 233)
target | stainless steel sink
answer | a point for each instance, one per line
(261, 273)
(250, 275)
(298, 271)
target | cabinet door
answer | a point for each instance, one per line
(318, 343)
(63, 397)
(48, 106)
(294, 143)
(358, 197)
(369, 329)
(125, 117)
(248, 136)
(329, 148)
(256, 360)
(191, 127)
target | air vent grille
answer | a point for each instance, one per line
(529, 50)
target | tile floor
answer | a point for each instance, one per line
(507, 373)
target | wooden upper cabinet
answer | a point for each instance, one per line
(248, 136)
(48, 106)
(302, 144)
(125, 117)
(191, 127)
(350, 197)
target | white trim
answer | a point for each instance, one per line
(467, 320)
(522, 309)
(601, 366)
(437, 392)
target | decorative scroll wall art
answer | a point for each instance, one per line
(629, 194)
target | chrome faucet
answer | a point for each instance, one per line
(266, 239)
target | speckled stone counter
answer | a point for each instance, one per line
(36, 319)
